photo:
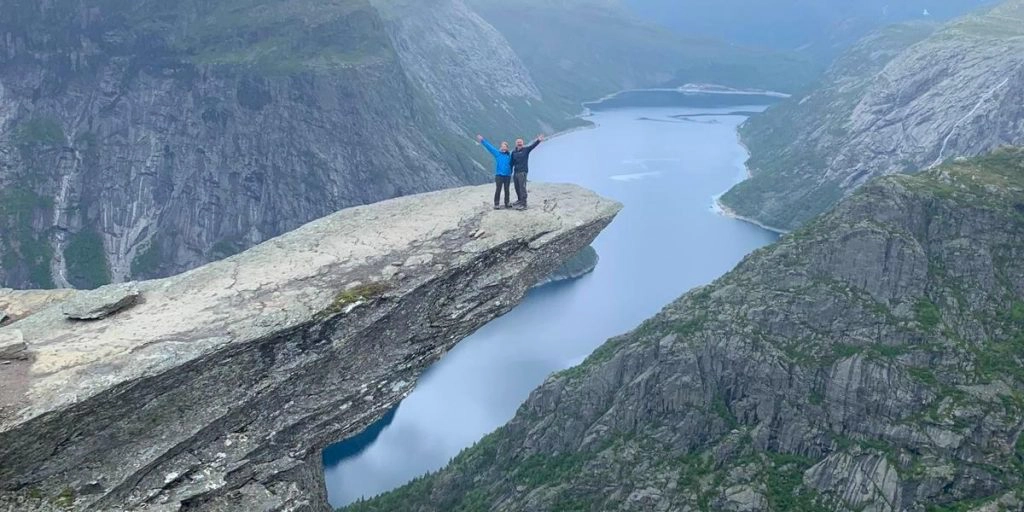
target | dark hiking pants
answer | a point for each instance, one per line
(520, 181)
(501, 183)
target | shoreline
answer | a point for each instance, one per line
(717, 204)
(590, 126)
(683, 89)
(746, 168)
(725, 211)
(697, 89)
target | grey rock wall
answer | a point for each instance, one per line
(904, 100)
(142, 140)
(869, 361)
(220, 387)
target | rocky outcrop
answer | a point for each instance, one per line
(219, 389)
(101, 303)
(869, 361)
(902, 100)
(17, 304)
(141, 139)
(12, 345)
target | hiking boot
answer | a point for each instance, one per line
(519, 207)
(496, 207)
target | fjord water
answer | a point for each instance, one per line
(665, 164)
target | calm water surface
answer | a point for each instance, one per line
(665, 164)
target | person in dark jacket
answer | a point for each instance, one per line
(520, 167)
(502, 169)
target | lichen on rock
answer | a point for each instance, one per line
(870, 361)
(222, 387)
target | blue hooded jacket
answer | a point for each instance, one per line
(502, 161)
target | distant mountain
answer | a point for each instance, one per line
(819, 30)
(901, 100)
(141, 138)
(588, 48)
(870, 361)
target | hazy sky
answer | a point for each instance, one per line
(819, 27)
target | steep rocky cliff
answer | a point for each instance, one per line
(467, 69)
(145, 138)
(900, 101)
(218, 389)
(871, 361)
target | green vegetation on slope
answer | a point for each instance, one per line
(86, 260)
(586, 49)
(286, 37)
(40, 131)
(146, 263)
(779, 383)
(779, 192)
(268, 37)
(24, 251)
(900, 100)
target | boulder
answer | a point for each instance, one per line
(102, 302)
(12, 344)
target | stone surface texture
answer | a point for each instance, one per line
(903, 100)
(100, 303)
(219, 390)
(871, 361)
(142, 139)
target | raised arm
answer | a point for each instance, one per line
(535, 143)
(488, 146)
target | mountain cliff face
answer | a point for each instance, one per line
(467, 69)
(900, 101)
(871, 361)
(144, 138)
(141, 139)
(217, 389)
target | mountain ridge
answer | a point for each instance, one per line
(141, 139)
(902, 100)
(868, 361)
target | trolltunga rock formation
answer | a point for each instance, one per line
(218, 388)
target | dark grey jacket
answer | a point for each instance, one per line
(521, 158)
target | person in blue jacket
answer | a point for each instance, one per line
(502, 170)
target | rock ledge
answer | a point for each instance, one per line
(220, 390)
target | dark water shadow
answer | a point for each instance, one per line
(358, 443)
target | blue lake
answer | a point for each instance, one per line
(665, 164)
